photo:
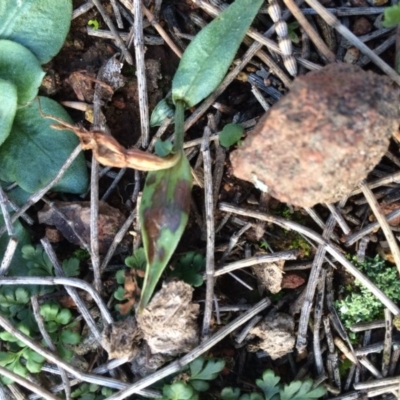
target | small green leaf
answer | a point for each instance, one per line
(32, 355)
(163, 213)
(269, 384)
(8, 108)
(120, 275)
(208, 57)
(34, 152)
(7, 358)
(119, 294)
(229, 393)
(137, 260)
(209, 370)
(163, 148)
(7, 337)
(41, 26)
(94, 24)
(162, 110)
(71, 267)
(200, 386)
(190, 268)
(178, 391)
(21, 68)
(391, 16)
(231, 134)
(18, 368)
(33, 366)
(69, 337)
(298, 390)
(64, 316)
(49, 311)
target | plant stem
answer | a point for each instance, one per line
(179, 125)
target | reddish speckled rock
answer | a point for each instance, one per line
(320, 140)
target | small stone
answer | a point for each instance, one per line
(362, 26)
(321, 139)
(276, 335)
(352, 55)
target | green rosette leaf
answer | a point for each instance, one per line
(8, 108)
(39, 25)
(164, 213)
(20, 67)
(34, 152)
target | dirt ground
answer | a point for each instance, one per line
(295, 337)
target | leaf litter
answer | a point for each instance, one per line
(175, 298)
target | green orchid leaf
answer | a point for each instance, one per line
(208, 57)
(391, 16)
(34, 152)
(163, 148)
(162, 110)
(164, 214)
(231, 134)
(20, 67)
(40, 26)
(8, 108)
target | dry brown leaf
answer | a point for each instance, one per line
(109, 221)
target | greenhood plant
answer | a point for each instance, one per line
(31, 151)
(166, 196)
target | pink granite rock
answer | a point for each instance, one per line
(323, 138)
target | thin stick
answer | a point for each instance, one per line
(49, 343)
(313, 35)
(162, 32)
(72, 292)
(351, 239)
(100, 380)
(335, 23)
(258, 259)
(202, 348)
(8, 255)
(27, 384)
(51, 281)
(6, 214)
(315, 272)
(394, 248)
(120, 43)
(117, 239)
(209, 215)
(387, 344)
(321, 241)
(141, 72)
